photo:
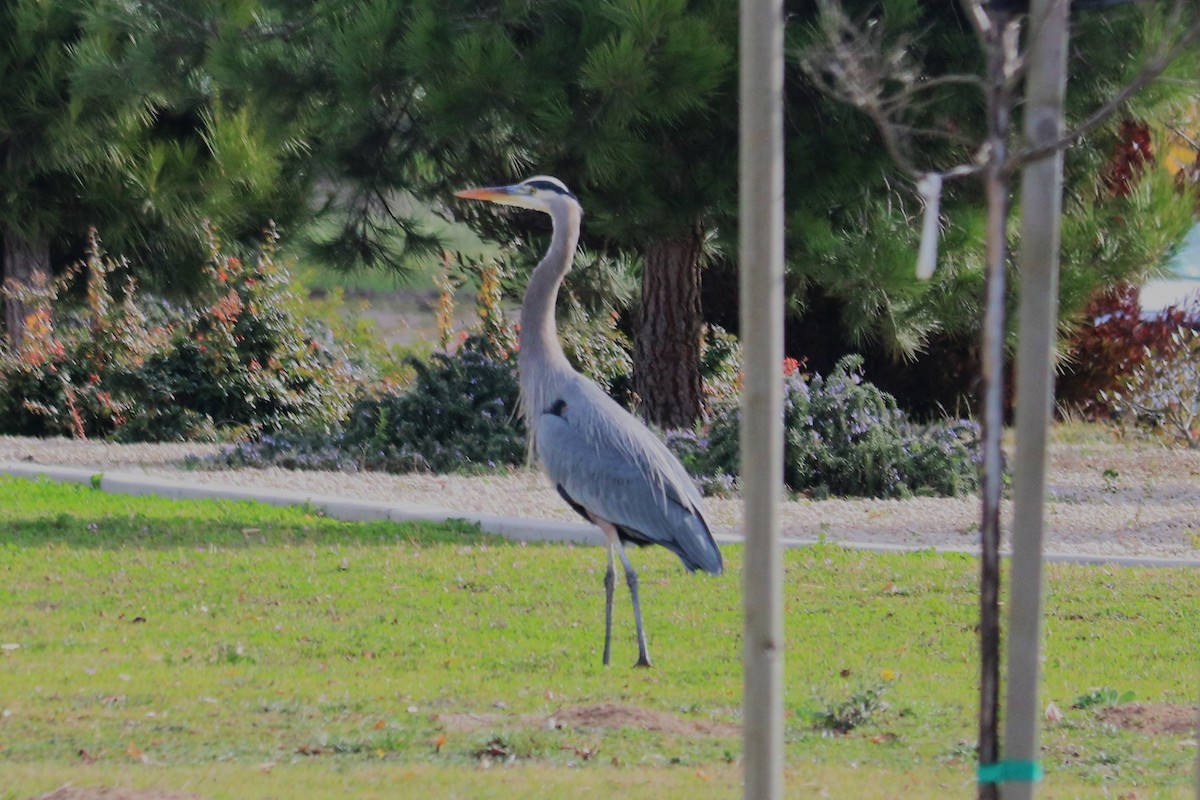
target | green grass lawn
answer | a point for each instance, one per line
(244, 651)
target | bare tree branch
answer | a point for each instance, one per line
(856, 64)
(908, 131)
(912, 90)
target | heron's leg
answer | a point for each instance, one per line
(610, 580)
(631, 579)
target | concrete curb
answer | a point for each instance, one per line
(514, 528)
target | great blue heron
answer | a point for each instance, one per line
(604, 462)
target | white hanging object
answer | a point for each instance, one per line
(930, 187)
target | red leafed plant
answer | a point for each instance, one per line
(1130, 156)
(1113, 341)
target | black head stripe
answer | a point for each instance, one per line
(550, 186)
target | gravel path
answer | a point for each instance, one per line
(1103, 498)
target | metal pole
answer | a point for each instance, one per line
(1041, 208)
(760, 228)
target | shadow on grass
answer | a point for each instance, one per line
(37, 513)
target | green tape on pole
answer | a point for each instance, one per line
(1010, 771)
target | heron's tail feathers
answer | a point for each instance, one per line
(696, 547)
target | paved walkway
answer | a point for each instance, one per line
(512, 527)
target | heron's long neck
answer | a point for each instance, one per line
(541, 355)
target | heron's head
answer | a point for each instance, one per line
(539, 193)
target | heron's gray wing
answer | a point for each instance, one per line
(618, 483)
(603, 420)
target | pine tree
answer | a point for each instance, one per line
(110, 117)
(42, 149)
(343, 81)
(632, 103)
(206, 140)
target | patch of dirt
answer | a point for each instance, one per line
(1153, 718)
(111, 793)
(606, 716)
(611, 715)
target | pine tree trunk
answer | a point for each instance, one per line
(26, 264)
(666, 360)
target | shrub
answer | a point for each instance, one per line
(239, 361)
(1162, 394)
(459, 415)
(597, 348)
(693, 451)
(720, 369)
(244, 360)
(841, 435)
(73, 374)
(942, 458)
(844, 436)
(1113, 341)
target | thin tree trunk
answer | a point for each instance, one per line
(989, 578)
(1000, 41)
(666, 361)
(26, 266)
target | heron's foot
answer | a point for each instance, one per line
(643, 662)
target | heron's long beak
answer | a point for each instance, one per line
(494, 194)
(516, 195)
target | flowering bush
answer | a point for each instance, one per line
(693, 451)
(844, 436)
(240, 361)
(458, 414)
(72, 374)
(494, 334)
(244, 360)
